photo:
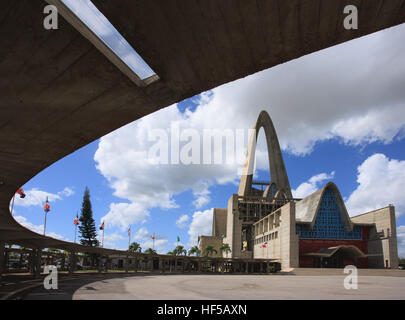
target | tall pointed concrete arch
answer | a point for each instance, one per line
(278, 173)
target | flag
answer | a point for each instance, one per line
(178, 239)
(152, 236)
(129, 231)
(47, 207)
(21, 193)
(76, 222)
(244, 244)
(264, 245)
(102, 226)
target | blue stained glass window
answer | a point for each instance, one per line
(329, 222)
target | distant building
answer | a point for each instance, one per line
(312, 232)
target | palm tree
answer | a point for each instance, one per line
(209, 250)
(171, 253)
(179, 250)
(194, 250)
(150, 251)
(135, 247)
(225, 248)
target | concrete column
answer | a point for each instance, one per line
(100, 264)
(72, 264)
(37, 262)
(163, 265)
(5, 263)
(247, 267)
(2, 260)
(136, 265)
(199, 265)
(267, 267)
(126, 264)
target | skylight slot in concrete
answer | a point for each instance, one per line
(92, 24)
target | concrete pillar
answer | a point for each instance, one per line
(5, 263)
(247, 267)
(2, 260)
(136, 265)
(199, 265)
(163, 265)
(267, 267)
(72, 264)
(100, 264)
(126, 264)
(37, 262)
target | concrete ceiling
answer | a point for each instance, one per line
(58, 92)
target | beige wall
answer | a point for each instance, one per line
(278, 229)
(205, 241)
(386, 244)
(219, 222)
(234, 227)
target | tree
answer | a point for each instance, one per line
(135, 247)
(150, 251)
(225, 248)
(209, 250)
(194, 250)
(179, 250)
(171, 253)
(87, 227)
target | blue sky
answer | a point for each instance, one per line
(339, 114)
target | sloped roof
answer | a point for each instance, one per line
(307, 209)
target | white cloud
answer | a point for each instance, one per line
(201, 192)
(124, 214)
(401, 241)
(381, 182)
(36, 197)
(312, 185)
(306, 104)
(146, 241)
(109, 239)
(37, 228)
(182, 221)
(201, 225)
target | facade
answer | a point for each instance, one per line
(264, 221)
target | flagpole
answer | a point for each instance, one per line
(102, 244)
(45, 222)
(75, 231)
(129, 237)
(153, 243)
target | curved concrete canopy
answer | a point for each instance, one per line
(59, 92)
(278, 173)
(345, 249)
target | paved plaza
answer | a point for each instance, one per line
(305, 284)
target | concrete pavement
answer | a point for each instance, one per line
(213, 287)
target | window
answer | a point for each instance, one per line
(329, 222)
